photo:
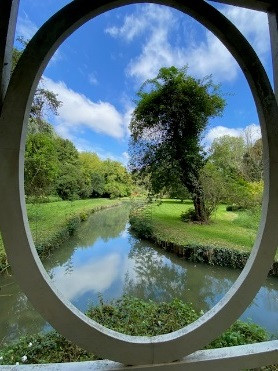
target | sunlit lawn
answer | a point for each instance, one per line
(226, 229)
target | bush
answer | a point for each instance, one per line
(234, 208)
(43, 348)
(141, 222)
(188, 215)
(240, 333)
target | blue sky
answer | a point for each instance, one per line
(97, 70)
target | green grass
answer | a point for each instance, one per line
(47, 220)
(236, 230)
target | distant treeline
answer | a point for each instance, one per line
(53, 166)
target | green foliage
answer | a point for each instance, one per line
(47, 348)
(253, 162)
(172, 112)
(131, 316)
(178, 191)
(239, 166)
(98, 184)
(234, 208)
(118, 182)
(227, 154)
(134, 316)
(141, 222)
(53, 165)
(213, 187)
(41, 164)
(189, 215)
(107, 178)
(43, 127)
(71, 183)
(244, 194)
(240, 333)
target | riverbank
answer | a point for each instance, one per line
(52, 223)
(226, 241)
(131, 316)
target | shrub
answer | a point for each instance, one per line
(141, 222)
(188, 215)
(234, 208)
(73, 224)
(43, 348)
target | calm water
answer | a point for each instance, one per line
(104, 258)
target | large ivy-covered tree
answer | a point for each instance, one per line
(172, 112)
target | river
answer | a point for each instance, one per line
(105, 258)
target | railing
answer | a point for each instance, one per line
(161, 352)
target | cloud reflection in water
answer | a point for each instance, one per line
(90, 276)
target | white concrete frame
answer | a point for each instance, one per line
(26, 265)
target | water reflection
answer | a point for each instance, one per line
(162, 277)
(103, 257)
(18, 317)
(87, 277)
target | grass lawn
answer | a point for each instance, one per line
(227, 229)
(47, 219)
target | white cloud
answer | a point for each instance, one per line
(78, 112)
(127, 117)
(253, 25)
(132, 27)
(25, 27)
(211, 57)
(93, 79)
(252, 130)
(144, 18)
(205, 57)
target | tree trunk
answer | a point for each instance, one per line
(194, 186)
(199, 205)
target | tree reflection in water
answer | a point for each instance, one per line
(161, 277)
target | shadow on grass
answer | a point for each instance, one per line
(177, 202)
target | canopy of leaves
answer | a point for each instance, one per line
(41, 164)
(239, 166)
(172, 111)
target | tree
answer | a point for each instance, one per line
(93, 171)
(118, 182)
(41, 164)
(172, 112)
(71, 183)
(253, 162)
(227, 154)
(239, 163)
